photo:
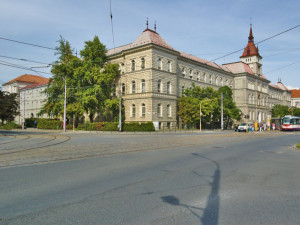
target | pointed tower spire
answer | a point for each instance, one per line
(250, 38)
(147, 22)
(155, 26)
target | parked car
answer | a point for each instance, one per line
(243, 127)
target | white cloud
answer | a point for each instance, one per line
(292, 87)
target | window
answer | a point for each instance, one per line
(133, 110)
(159, 64)
(159, 86)
(143, 110)
(182, 90)
(198, 76)
(143, 63)
(183, 71)
(191, 74)
(143, 86)
(123, 89)
(169, 87)
(122, 68)
(159, 110)
(249, 99)
(216, 81)
(133, 87)
(169, 112)
(169, 66)
(210, 79)
(204, 77)
(132, 65)
(221, 82)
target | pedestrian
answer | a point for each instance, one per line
(35, 123)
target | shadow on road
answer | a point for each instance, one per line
(210, 215)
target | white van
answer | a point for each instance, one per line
(243, 127)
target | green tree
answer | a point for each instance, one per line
(8, 106)
(189, 106)
(280, 111)
(89, 80)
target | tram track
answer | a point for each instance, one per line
(34, 147)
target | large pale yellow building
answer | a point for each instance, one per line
(154, 74)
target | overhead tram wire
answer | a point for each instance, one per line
(25, 43)
(26, 60)
(256, 43)
(4, 63)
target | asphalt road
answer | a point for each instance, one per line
(237, 179)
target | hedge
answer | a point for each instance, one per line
(29, 122)
(136, 126)
(10, 126)
(49, 124)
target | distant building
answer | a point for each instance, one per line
(31, 85)
(154, 74)
(296, 98)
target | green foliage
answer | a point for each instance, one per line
(89, 81)
(280, 111)
(10, 125)
(49, 124)
(111, 126)
(8, 106)
(29, 122)
(210, 100)
(136, 126)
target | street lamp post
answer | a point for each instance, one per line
(65, 105)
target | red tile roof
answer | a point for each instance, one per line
(27, 78)
(295, 93)
(238, 67)
(35, 85)
(148, 36)
(250, 49)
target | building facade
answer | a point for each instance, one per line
(154, 75)
(20, 86)
(295, 101)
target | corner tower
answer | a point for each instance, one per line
(251, 55)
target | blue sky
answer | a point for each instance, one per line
(207, 29)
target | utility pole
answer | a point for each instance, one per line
(120, 108)
(23, 123)
(222, 122)
(200, 116)
(65, 105)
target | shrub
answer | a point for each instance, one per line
(48, 124)
(111, 126)
(10, 126)
(136, 126)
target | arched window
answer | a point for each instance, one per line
(143, 63)
(159, 63)
(133, 87)
(183, 71)
(132, 65)
(216, 81)
(169, 87)
(204, 77)
(210, 79)
(159, 86)
(169, 110)
(133, 110)
(221, 81)
(123, 89)
(143, 110)
(191, 74)
(143, 86)
(122, 68)
(159, 110)
(169, 66)
(198, 76)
